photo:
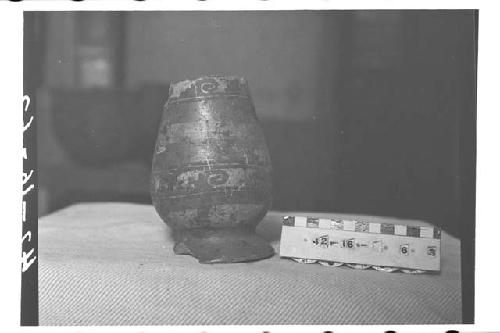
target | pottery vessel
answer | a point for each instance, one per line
(211, 174)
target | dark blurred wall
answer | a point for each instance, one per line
(360, 109)
(401, 99)
(285, 56)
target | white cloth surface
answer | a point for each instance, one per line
(113, 264)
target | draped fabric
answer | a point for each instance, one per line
(113, 264)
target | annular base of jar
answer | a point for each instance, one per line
(222, 245)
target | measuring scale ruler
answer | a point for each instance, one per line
(382, 246)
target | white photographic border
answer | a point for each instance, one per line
(487, 293)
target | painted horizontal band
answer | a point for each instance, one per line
(207, 86)
(211, 198)
(210, 133)
(225, 108)
(212, 165)
(178, 155)
(210, 179)
(177, 100)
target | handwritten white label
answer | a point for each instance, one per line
(27, 258)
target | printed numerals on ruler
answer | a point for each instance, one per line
(354, 242)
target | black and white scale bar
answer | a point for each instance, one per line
(357, 226)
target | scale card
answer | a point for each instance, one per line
(365, 243)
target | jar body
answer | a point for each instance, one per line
(211, 166)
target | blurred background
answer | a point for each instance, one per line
(361, 109)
